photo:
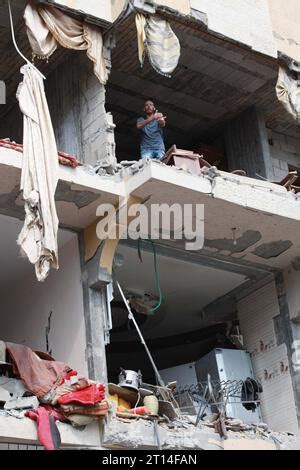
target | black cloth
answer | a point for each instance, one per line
(250, 390)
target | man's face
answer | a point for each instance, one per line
(149, 107)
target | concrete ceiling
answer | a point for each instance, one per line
(13, 267)
(187, 288)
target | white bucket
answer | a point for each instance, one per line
(130, 379)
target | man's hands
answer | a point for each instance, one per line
(160, 118)
(157, 116)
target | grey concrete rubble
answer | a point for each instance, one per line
(127, 168)
(18, 414)
(183, 435)
(22, 403)
(121, 170)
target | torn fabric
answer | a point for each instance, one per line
(158, 40)
(38, 238)
(140, 22)
(47, 27)
(288, 93)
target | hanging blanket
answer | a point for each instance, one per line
(48, 26)
(38, 238)
(38, 375)
(157, 39)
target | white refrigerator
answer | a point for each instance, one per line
(228, 365)
(222, 365)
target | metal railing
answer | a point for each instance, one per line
(217, 395)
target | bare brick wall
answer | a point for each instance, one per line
(285, 151)
(270, 360)
(77, 106)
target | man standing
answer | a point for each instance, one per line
(151, 132)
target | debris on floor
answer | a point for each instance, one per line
(182, 434)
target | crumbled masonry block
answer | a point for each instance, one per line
(22, 403)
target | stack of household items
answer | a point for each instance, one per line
(34, 385)
(132, 398)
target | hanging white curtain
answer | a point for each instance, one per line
(47, 27)
(38, 238)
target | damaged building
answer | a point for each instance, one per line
(197, 323)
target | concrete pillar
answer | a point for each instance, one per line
(289, 333)
(247, 146)
(95, 308)
(77, 105)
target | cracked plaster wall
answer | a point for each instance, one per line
(256, 313)
(31, 303)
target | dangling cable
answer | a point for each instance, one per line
(15, 44)
(153, 309)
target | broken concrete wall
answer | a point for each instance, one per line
(247, 22)
(246, 144)
(258, 314)
(95, 282)
(291, 282)
(77, 106)
(140, 434)
(57, 304)
(285, 152)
